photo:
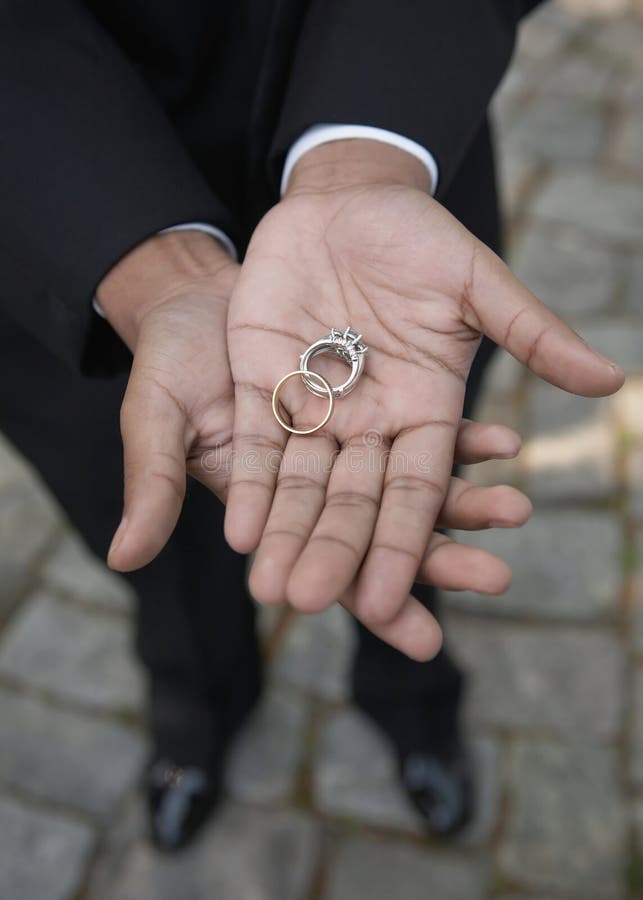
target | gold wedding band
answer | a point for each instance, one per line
(323, 384)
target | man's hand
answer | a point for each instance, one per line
(168, 300)
(357, 241)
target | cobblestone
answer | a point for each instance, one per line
(355, 774)
(66, 758)
(245, 854)
(628, 409)
(537, 897)
(620, 40)
(628, 143)
(514, 88)
(517, 172)
(571, 453)
(560, 128)
(636, 630)
(543, 36)
(637, 824)
(632, 88)
(636, 745)
(503, 375)
(27, 523)
(620, 340)
(634, 484)
(567, 822)
(265, 758)
(588, 77)
(633, 301)
(72, 654)
(379, 870)
(575, 275)
(570, 681)
(486, 760)
(42, 854)
(13, 468)
(611, 206)
(571, 571)
(72, 570)
(316, 653)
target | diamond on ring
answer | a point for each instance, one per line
(348, 346)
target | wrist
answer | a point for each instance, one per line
(158, 269)
(354, 162)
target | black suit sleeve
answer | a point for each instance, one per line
(89, 167)
(426, 69)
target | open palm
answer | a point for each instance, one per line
(394, 265)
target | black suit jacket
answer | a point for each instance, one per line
(122, 117)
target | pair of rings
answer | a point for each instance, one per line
(348, 346)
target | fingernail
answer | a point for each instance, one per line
(510, 452)
(608, 362)
(118, 537)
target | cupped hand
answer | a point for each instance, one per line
(392, 263)
(177, 413)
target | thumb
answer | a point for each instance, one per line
(153, 432)
(498, 305)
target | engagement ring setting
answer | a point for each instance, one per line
(348, 346)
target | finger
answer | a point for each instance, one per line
(337, 546)
(414, 631)
(450, 566)
(499, 306)
(412, 497)
(469, 507)
(299, 499)
(479, 441)
(212, 467)
(153, 431)
(258, 446)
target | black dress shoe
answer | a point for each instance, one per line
(192, 735)
(440, 786)
(434, 766)
(180, 799)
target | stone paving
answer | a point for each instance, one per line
(555, 709)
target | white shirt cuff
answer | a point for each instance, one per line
(323, 134)
(212, 230)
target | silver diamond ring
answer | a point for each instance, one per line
(345, 344)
